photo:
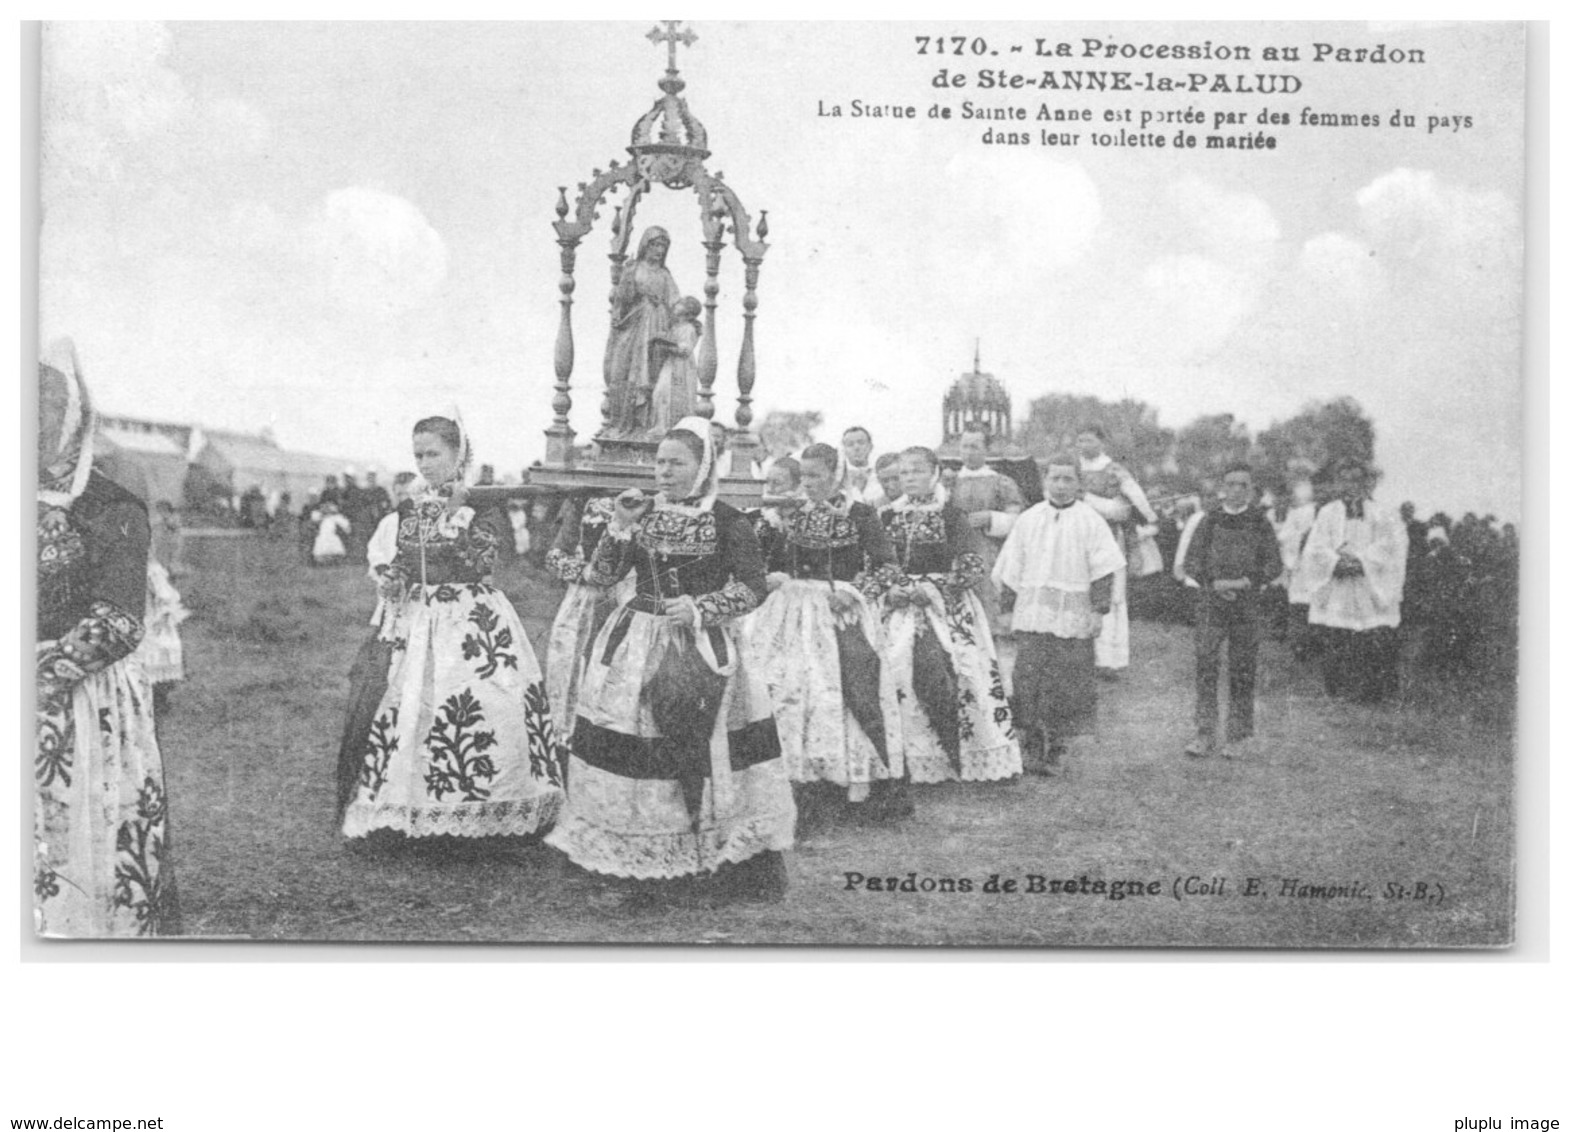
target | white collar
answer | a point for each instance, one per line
(976, 473)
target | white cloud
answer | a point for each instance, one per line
(1415, 312)
(1200, 259)
(122, 64)
(115, 115)
(1192, 303)
(1045, 215)
(104, 90)
(1234, 227)
(1410, 215)
(378, 252)
(1341, 266)
(360, 250)
(236, 126)
(257, 226)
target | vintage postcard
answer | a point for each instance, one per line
(850, 484)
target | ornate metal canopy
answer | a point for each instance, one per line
(668, 148)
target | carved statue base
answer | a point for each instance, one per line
(637, 449)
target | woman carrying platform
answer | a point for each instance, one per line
(820, 637)
(956, 718)
(675, 768)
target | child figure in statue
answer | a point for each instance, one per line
(676, 390)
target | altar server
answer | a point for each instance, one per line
(1354, 570)
(1057, 568)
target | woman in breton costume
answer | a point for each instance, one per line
(782, 483)
(956, 718)
(584, 607)
(781, 487)
(461, 740)
(100, 815)
(819, 636)
(675, 768)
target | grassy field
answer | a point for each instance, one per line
(1332, 795)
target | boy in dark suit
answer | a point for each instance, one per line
(1233, 556)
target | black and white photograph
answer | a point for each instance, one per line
(1011, 485)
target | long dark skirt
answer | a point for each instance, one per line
(1055, 684)
(1362, 666)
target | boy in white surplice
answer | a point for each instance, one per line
(1354, 570)
(1057, 566)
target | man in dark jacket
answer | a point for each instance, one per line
(364, 507)
(1233, 556)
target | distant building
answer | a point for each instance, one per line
(980, 400)
(151, 464)
(180, 434)
(238, 461)
(188, 465)
(977, 400)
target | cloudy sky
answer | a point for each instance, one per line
(334, 229)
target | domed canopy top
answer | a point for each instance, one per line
(977, 400)
(977, 391)
(668, 142)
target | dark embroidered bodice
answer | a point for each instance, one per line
(933, 541)
(835, 543)
(94, 552)
(582, 525)
(709, 555)
(92, 583)
(437, 551)
(62, 572)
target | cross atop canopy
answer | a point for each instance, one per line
(672, 37)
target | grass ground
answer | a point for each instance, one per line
(1333, 794)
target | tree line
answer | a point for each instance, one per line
(1192, 458)
(1166, 461)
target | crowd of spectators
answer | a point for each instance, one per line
(1459, 608)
